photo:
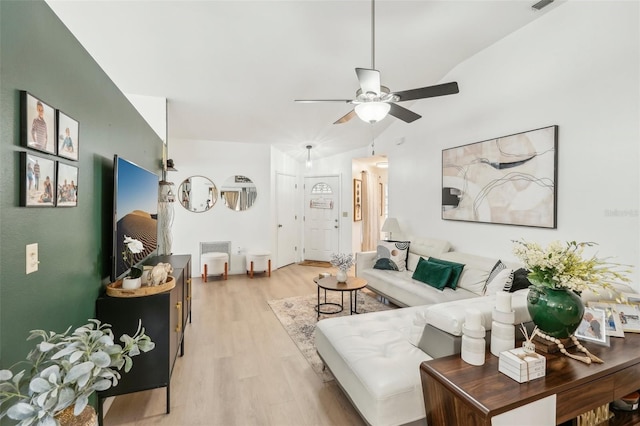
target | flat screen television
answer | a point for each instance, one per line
(135, 212)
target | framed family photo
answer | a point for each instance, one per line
(592, 327)
(68, 136)
(67, 185)
(38, 177)
(38, 124)
(612, 323)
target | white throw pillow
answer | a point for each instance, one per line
(395, 252)
(498, 283)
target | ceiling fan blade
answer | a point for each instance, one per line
(369, 80)
(348, 116)
(311, 101)
(428, 92)
(403, 114)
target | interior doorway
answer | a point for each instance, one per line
(372, 172)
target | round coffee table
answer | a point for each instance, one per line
(352, 286)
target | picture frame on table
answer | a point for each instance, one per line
(357, 200)
(68, 136)
(67, 192)
(37, 124)
(38, 181)
(592, 328)
(612, 323)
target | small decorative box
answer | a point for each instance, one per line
(522, 366)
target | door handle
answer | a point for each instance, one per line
(279, 226)
(336, 226)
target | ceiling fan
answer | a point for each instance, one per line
(374, 101)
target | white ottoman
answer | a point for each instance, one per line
(258, 261)
(214, 263)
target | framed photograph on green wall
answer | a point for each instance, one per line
(67, 185)
(38, 181)
(68, 136)
(37, 124)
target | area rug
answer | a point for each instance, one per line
(319, 263)
(298, 317)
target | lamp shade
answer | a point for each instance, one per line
(372, 111)
(391, 225)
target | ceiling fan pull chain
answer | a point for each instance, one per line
(373, 141)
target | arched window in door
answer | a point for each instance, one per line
(321, 188)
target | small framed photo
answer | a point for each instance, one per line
(67, 185)
(357, 200)
(38, 124)
(68, 136)
(629, 314)
(592, 327)
(612, 323)
(38, 177)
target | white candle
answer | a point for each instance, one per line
(473, 319)
(503, 301)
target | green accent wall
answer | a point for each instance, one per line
(38, 54)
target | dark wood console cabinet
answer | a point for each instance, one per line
(164, 317)
(458, 393)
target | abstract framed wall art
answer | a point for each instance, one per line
(38, 124)
(38, 177)
(510, 180)
(68, 136)
(67, 185)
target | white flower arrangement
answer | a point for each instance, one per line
(131, 248)
(562, 266)
(65, 369)
(343, 261)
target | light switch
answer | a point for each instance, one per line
(32, 258)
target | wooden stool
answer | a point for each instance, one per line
(258, 261)
(214, 263)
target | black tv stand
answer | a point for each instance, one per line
(164, 317)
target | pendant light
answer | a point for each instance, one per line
(308, 164)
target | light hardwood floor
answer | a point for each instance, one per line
(240, 366)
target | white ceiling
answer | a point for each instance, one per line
(231, 69)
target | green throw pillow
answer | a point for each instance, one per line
(455, 273)
(433, 274)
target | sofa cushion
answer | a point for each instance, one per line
(476, 270)
(456, 270)
(402, 290)
(520, 281)
(385, 264)
(395, 252)
(499, 266)
(434, 274)
(502, 280)
(372, 358)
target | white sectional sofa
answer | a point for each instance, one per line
(375, 357)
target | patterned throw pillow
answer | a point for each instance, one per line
(499, 266)
(395, 252)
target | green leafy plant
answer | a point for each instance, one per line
(563, 266)
(131, 248)
(65, 369)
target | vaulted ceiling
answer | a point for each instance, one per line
(230, 70)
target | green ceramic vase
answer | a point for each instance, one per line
(556, 312)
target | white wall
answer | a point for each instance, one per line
(250, 229)
(577, 67)
(154, 110)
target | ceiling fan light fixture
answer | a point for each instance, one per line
(371, 112)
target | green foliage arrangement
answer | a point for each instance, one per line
(65, 369)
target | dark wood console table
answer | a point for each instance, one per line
(458, 393)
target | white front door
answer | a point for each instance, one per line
(287, 217)
(322, 217)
